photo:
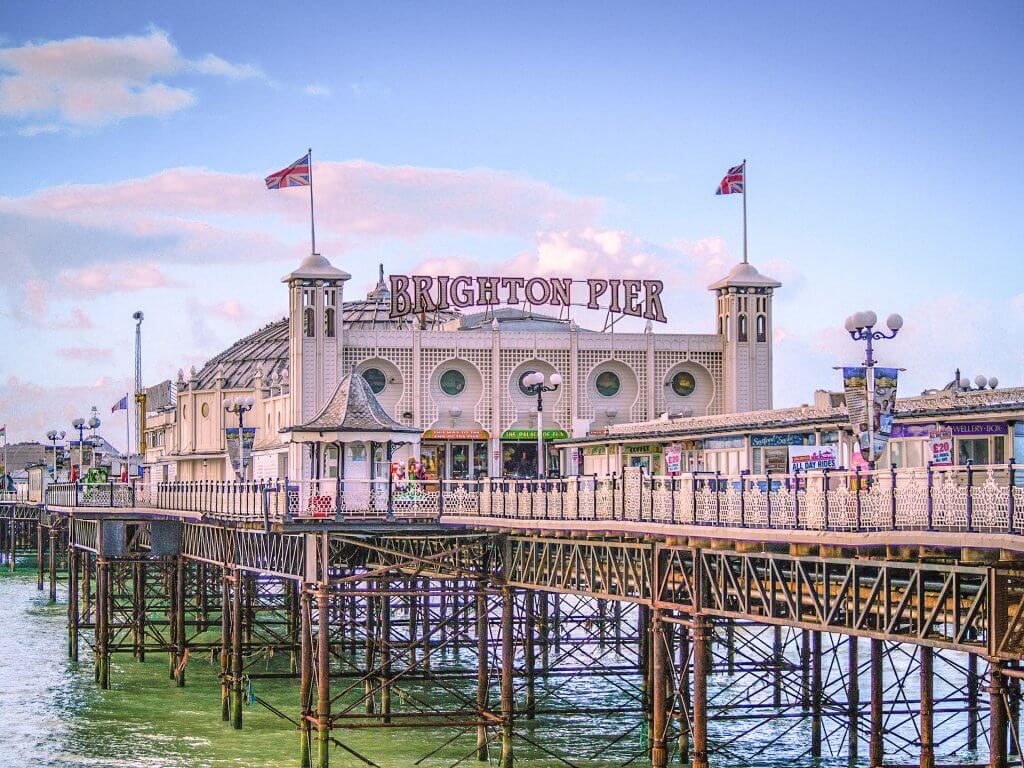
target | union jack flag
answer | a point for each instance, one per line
(295, 175)
(733, 181)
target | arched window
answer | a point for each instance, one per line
(762, 328)
(741, 328)
(307, 322)
(329, 323)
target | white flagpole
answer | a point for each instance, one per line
(128, 439)
(312, 227)
(744, 211)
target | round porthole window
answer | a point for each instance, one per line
(607, 384)
(683, 383)
(452, 382)
(376, 379)
(205, 409)
(522, 387)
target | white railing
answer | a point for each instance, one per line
(964, 499)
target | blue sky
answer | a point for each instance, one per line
(881, 138)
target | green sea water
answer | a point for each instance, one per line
(52, 714)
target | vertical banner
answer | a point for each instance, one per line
(884, 407)
(231, 437)
(855, 383)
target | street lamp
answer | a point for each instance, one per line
(53, 436)
(861, 327)
(79, 424)
(240, 405)
(94, 423)
(534, 384)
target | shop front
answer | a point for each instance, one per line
(647, 457)
(519, 452)
(454, 454)
(770, 453)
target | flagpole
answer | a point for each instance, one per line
(312, 227)
(128, 438)
(744, 210)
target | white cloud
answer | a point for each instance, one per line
(91, 81)
(315, 89)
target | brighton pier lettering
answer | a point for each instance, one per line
(423, 293)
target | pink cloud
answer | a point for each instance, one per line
(229, 309)
(114, 278)
(93, 81)
(88, 354)
(30, 408)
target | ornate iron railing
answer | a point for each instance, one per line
(90, 495)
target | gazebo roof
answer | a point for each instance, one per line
(354, 408)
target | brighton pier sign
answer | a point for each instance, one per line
(423, 294)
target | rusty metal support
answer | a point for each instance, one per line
(529, 654)
(701, 668)
(997, 717)
(180, 640)
(323, 673)
(927, 693)
(507, 691)
(481, 672)
(685, 706)
(225, 646)
(51, 553)
(305, 677)
(875, 748)
(385, 654)
(853, 698)
(236, 650)
(816, 693)
(660, 674)
(73, 604)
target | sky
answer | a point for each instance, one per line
(581, 139)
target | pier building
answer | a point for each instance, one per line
(456, 377)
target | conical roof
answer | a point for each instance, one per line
(353, 408)
(746, 275)
(316, 267)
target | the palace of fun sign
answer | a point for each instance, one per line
(416, 294)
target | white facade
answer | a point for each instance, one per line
(458, 379)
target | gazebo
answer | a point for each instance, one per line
(351, 442)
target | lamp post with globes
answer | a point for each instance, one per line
(534, 384)
(94, 424)
(239, 405)
(79, 424)
(861, 327)
(53, 436)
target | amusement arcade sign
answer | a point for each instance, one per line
(423, 293)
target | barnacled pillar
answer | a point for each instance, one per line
(701, 631)
(659, 685)
(927, 709)
(997, 716)
(877, 692)
(507, 660)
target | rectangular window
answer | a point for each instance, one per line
(974, 450)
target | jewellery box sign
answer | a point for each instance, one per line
(411, 295)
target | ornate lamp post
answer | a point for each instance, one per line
(79, 424)
(94, 424)
(861, 327)
(240, 405)
(53, 436)
(534, 383)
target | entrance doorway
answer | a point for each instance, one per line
(455, 460)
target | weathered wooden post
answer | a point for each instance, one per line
(685, 707)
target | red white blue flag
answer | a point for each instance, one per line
(120, 405)
(295, 175)
(733, 181)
